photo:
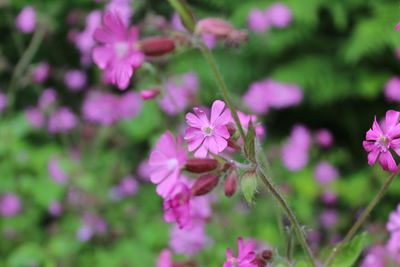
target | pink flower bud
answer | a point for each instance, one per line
(200, 165)
(156, 46)
(204, 184)
(149, 94)
(231, 184)
(220, 29)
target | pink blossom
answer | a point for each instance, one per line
(35, 117)
(393, 246)
(379, 141)
(122, 7)
(117, 55)
(376, 257)
(128, 105)
(328, 218)
(177, 206)
(279, 15)
(258, 21)
(324, 138)
(325, 173)
(329, 197)
(10, 205)
(166, 161)
(398, 26)
(26, 20)
(164, 259)
(75, 79)
(246, 255)
(189, 241)
(47, 98)
(41, 72)
(245, 120)
(394, 220)
(128, 185)
(62, 120)
(55, 208)
(392, 89)
(100, 108)
(3, 101)
(208, 134)
(56, 173)
(295, 152)
(84, 233)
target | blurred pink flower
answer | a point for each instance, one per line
(117, 55)
(177, 206)
(245, 120)
(100, 108)
(47, 98)
(204, 134)
(392, 89)
(279, 15)
(3, 101)
(394, 220)
(376, 257)
(84, 233)
(164, 259)
(325, 173)
(26, 20)
(398, 26)
(189, 241)
(393, 246)
(329, 197)
(246, 255)
(41, 72)
(122, 7)
(62, 120)
(128, 185)
(35, 117)
(258, 21)
(75, 79)
(379, 141)
(55, 208)
(166, 161)
(10, 205)
(128, 105)
(328, 218)
(55, 172)
(295, 152)
(324, 138)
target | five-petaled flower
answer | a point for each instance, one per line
(117, 56)
(208, 135)
(246, 255)
(379, 141)
(166, 161)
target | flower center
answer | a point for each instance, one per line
(207, 131)
(383, 143)
(172, 163)
(121, 49)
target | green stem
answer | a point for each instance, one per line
(291, 216)
(361, 219)
(222, 86)
(183, 11)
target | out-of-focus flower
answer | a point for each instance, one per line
(149, 94)
(164, 259)
(129, 105)
(393, 246)
(122, 7)
(208, 134)
(188, 241)
(41, 72)
(279, 15)
(398, 27)
(245, 120)
(117, 55)
(100, 108)
(47, 98)
(128, 185)
(35, 117)
(268, 93)
(166, 161)
(55, 172)
(62, 120)
(258, 21)
(246, 255)
(328, 218)
(376, 257)
(75, 79)
(55, 208)
(324, 138)
(177, 206)
(84, 233)
(144, 170)
(329, 197)
(295, 153)
(379, 141)
(392, 89)
(10, 205)
(325, 173)
(394, 220)
(26, 20)
(3, 101)
(156, 46)
(221, 29)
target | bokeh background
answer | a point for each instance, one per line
(59, 190)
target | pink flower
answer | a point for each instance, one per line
(398, 27)
(393, 246)
(245, 120)
(394, 220)
(279, 15)
(47, 98)
(295, 152)
(165, 259)
(128, 105)
(100, 108)
(128, 186)
(376, 257)
(56, 173)
(35, 117)
(41, 72)
(75, 79)
(328, 218)
(189, 241)
(166, 161)
(325, 173)
(245, 258)
(117, 55)
(26, 20)
(177, 206)
(258, 21)
(10, 205)
(122, 7)
(392, 89)
(379, 141)
(55, 208)
(3, 101)
(206, 134)
(324, 138)
(62, 120)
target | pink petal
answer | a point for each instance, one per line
(159, 174)
(398, 27)
(391, 119)
(103, 36)
(114, 24)
(123, 74)
(133, 34)
(166, 144)
(216, 110)
(192, 133)
(165, 187)
(202, 116)
(157, 159)
(221, 131)
(193, 120)
(211, 144)
(387, 162)
(220, 142)
(102, 56)
(368, 146)
(394, 132)
(201, 152)
(224, 119)
(135, 59)
(375, 132)
(395, 145)
(194, 143)
(372, 156)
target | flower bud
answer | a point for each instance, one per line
(156, 46)
(248, 184)
(266, 254)
(149, 94)
(201, 165)
(259, 262)
(231, 128)
(231, 184)
(204, 184)
(218, 27)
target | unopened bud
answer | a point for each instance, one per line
(231, 184)
(149, 94)
(231, 128)
(259, 262)
(156, 46)
(201, 165)
(204, 184)
(266, 254)
(218, 27)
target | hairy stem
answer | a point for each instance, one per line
(291, 216)
(361, 219)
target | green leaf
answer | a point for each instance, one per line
(351, 251)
